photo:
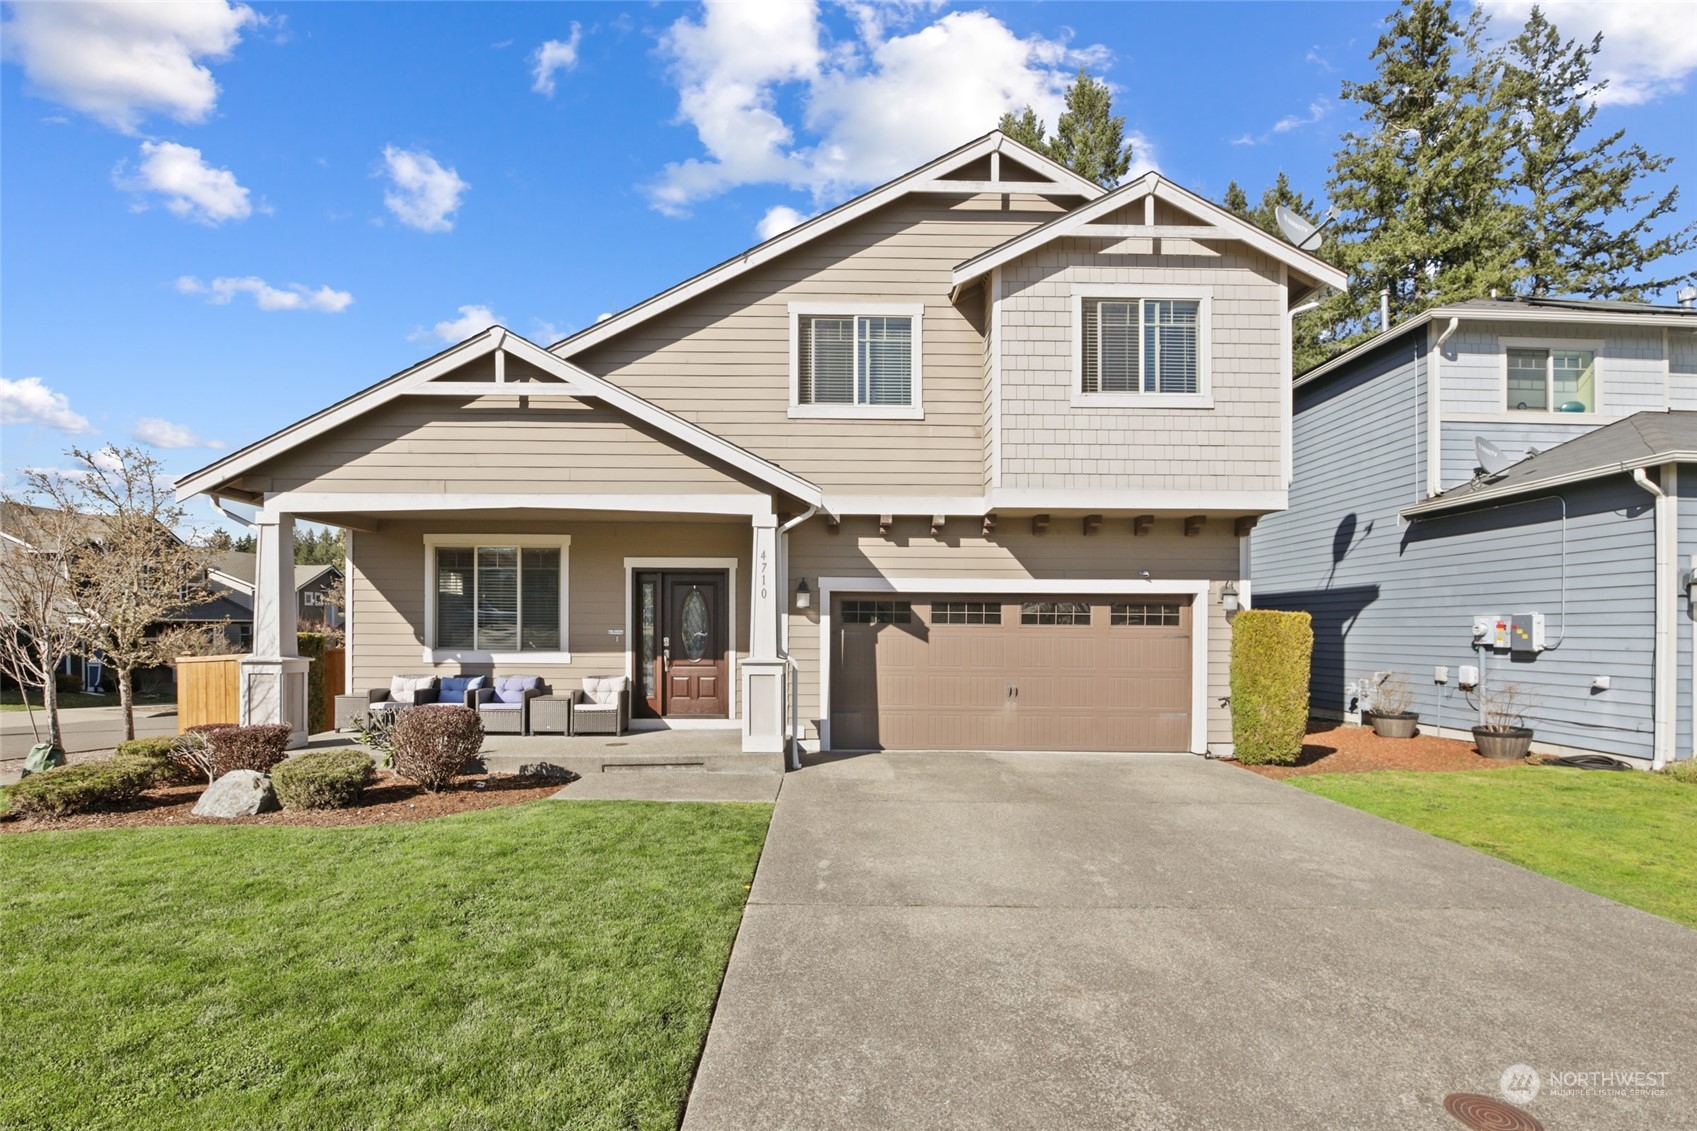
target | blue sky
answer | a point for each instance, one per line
(217, 219)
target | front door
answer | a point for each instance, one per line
(682, 644)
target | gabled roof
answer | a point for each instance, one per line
(568, 380)
(1607, 312)
(1644, 439)
(237, 569)
(929, 177)
(1230, 226)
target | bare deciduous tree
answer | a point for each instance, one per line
(40, 624)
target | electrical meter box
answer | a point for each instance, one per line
(1490, 630)
(1526, 632)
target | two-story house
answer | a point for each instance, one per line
(1492, 493)
(965, 463)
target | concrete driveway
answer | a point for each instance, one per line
(1047, 941)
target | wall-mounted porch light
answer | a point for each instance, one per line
(1228, 598)
(803, 595)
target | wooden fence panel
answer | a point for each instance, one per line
(335, 683)
(208, 690)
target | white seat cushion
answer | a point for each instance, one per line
(603, 690)
(404, 688)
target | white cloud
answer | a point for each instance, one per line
(425, 195)
(779, 219)
(119, 60)
(1649, 48)
(547, 333)
(295, 296)
(1316, 111)
(555, 55)
(29, 401)
(192, 189)
(471, 320)
(869, 109)
(163, 434)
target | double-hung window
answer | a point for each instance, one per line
(855, 360)
(490, 596)
(1141, 349)
(1552, 380)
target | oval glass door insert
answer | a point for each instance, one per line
(695, 625)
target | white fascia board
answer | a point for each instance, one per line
(812, 229)
(1310, 265)
(230, 581)
(1192, 501)
(444, 505)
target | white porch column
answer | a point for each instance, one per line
(274, 677)
(763, 671)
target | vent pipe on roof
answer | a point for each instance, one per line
(1687, 297)
(1384, 309)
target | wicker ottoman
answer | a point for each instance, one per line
(551, 713)
(350, 712)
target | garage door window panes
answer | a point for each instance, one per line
(877, 612)
(1143, 613)
(1055, 612)
(966, 612)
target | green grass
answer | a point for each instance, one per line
(71, 700)
(1631, 837)
(537, 966)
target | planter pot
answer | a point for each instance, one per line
(1503, 745)
(1395, 726)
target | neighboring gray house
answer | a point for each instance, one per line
(313, 584)
(1397, 538)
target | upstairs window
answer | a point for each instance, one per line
(855, 362)
(1137, 349)
(1552, 380)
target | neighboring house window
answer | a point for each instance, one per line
(1136, 347)
(496, 596)
(1552, 380)
(313, 597)
(244, 636)
(855, 361)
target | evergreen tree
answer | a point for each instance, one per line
(1089, 137)
(246, 543)
(1236, 200)
(1581, 229)
(1420, 189)
(1310, 338)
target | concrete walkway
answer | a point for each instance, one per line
(1029, 941)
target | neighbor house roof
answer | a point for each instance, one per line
(1065, 182)
(1582, 310)
(239, 567)
(1644, 439)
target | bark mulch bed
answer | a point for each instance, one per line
(388, 800)
(1337, 748)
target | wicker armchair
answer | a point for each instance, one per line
(403, 691)
(505, 707)
(603, 706)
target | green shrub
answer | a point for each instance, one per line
(160, 754)
(322, 779)
(432, 744)
(1271, 652)
(312, 645)
(79, 788)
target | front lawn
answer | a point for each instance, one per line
(1631, 837)
(543, 965)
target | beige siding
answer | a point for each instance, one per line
(1048, 443)
(1014, 553)
(722, 360)
(386, 592)
(429, 444)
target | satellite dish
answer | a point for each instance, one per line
(1297, 230)
(1493, 459)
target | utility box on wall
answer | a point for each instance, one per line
(1526, 632)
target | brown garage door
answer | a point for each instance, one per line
(994, 673)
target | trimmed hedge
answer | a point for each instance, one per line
(160, 754)
(312, 646)
(432, 744)
(79, 788)
(322, 779)
(1271, 654)
(215, 748)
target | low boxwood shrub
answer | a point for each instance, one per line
(432, 744)
(80, 787)
(160, 754)
(1271, 653)
(216, 749)
(322, 779)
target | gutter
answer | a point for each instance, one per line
(793, 759)
(1666, 658)
(1442, 503)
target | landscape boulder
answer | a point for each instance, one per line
(239, 793)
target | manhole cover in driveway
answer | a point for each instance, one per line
(1482, 1113)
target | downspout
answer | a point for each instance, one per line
(794, 669)
(1664, 657)
(1434, 418)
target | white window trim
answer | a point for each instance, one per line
(435, 655)
(1553, 345)
(914, 411)
(1202, 398)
